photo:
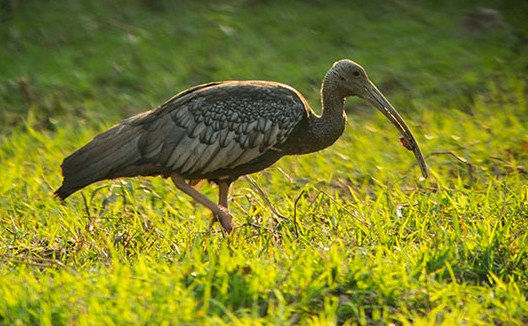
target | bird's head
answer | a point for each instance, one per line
(350, 79)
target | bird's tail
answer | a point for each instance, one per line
(111, 154)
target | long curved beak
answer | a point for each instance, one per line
(376, 98)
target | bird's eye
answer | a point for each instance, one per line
(356, 73)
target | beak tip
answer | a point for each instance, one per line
(425, 171)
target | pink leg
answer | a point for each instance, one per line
(223, 191)
(219, 210)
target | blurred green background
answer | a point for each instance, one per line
(64, 61)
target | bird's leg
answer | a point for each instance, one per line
(220, 211)
(223, 191)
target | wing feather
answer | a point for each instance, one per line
(220, 127)
(195, 157)
(181, 152)
(223, 158)
(207, 129)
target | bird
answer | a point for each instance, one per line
(220, 131)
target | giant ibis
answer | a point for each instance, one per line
(223, 130)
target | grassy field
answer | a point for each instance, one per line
(351, 235)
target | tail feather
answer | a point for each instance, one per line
(102, 158)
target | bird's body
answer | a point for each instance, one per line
(216, 131)
(221, 131)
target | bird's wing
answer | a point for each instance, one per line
(219, 126)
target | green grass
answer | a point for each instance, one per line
(350, 235)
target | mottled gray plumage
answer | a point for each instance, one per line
(220, 131)
(203, 133)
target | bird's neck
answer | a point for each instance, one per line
(323, 130)
(331, 123)
(332, 103)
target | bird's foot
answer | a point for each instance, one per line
(225, 218)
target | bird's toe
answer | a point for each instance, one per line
(225, 218)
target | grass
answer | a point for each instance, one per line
(347, 236)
